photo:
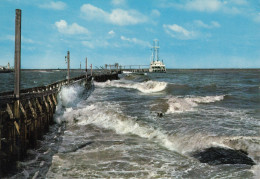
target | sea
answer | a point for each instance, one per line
(179, 124)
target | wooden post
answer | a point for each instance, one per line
(86, 67)
(17, 76)
(68, 60)
(17, 55)
(110, 68)
(91, 70)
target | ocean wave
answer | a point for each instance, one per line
(144, 87)
(179, 104)
(68, 97)
(109, 115)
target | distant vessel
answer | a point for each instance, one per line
(156, 65)
(6, 69)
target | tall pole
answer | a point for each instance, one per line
(17, 55)
(86, 67)
(91, 70)
(68, 59)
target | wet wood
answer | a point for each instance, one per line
(25, 120)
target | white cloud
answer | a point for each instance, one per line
(59, 5)
(136, 41)
(95, 43)
(74, 28)
(203, 5)
(228, 7)
(179, 32)
(117, 16)
(213, 24)
(155, 13)
(118, 2)
(111, 32)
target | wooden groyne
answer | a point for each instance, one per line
(25, 114)
(23, 121)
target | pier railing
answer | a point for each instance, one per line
(25, 114)
(35, 108)
(34, 113)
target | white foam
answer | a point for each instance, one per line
(180, 104)
(144, 87)
(127, 72)
(68, 96)
(109, 116)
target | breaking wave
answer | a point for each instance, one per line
(110, 116)
(180, 104)
(144, 87)
(69, 96)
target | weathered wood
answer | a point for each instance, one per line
(10, 112)
(35, 108)
(54, 99)
(23, 111)
(49, 100)
(86, 67)
(91, 70)
(17, 55)
(46, 104)
(32, 110)
(39, 106)
(17, 109)
(68, 61)
(17, 127)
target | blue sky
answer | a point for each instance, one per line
(192, 33)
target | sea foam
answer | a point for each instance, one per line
(144, 87)
(182, 104)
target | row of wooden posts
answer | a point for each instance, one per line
(23, 121)
(25, 115)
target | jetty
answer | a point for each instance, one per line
(26, 114)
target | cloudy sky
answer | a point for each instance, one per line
(192, 33)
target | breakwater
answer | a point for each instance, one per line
(25, 120)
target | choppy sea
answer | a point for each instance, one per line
(151, 125)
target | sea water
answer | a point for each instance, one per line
(149, 126)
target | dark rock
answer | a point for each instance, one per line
(218, 155)
(159, 114)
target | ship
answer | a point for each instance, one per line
(4, 69)
(156, 65)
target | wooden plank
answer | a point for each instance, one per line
(32, 110)
(17, 127)
(54, 99)
(23, 111)
(49, 99)
(46, 104)
(10, 112)
(39, 105)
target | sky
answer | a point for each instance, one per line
(192, 33)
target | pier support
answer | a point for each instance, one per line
(86, 67)
(68, 61)
(17, 53)
(91, 70)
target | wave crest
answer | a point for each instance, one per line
(177, 104)
(144, 87)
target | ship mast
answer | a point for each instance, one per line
(155, 48)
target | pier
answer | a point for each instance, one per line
(130, 68)
(26, 114)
